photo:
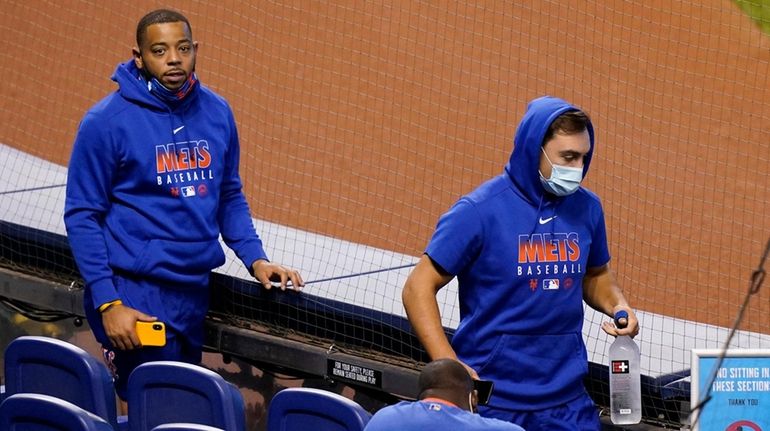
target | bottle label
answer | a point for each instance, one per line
(621, 385)
(620, 367)
(625, 411)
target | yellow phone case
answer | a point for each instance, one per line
(151, 333)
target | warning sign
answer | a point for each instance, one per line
(354, 373)
(738, 391)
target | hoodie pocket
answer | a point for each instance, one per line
(540, 367)
(175, 260)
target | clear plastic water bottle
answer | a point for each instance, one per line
(625, 377)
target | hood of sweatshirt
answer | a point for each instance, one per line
(523, 165)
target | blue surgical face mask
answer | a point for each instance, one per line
(564, 180)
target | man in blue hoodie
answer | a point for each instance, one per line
(527, 248)
(153, 181)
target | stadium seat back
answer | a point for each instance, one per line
(185, 427)
(44, 365)
(165, 392)
(310, 409)
(38, 412)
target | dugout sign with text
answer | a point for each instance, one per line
(336, 369)
(740, 393)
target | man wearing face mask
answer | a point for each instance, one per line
(446, 402)
(153, 182)
(527, 247)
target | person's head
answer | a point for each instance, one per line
(448, 379)
(565, 147)
(165, 49)
(554, 129)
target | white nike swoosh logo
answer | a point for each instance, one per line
(546, 220)
(178, 129)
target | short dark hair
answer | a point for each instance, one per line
(570, 123)
(158, 16)
(444, 376)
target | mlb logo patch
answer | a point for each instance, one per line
(435, 407)
(188, 191)
(550, 284)
(620, 367)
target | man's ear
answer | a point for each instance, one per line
(137, 58)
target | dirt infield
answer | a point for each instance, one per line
(366, 120)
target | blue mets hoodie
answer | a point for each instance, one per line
(520, 255)
(151, 185)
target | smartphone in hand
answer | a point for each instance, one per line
(484, 390)
(151, 333)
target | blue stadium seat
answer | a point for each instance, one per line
(48, 366)
(185, 427)
(166, 392)
(310, 409)
(38, 412)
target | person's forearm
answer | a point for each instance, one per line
(601, 292)
(423, 313)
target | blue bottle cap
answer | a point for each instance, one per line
(622, 314)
